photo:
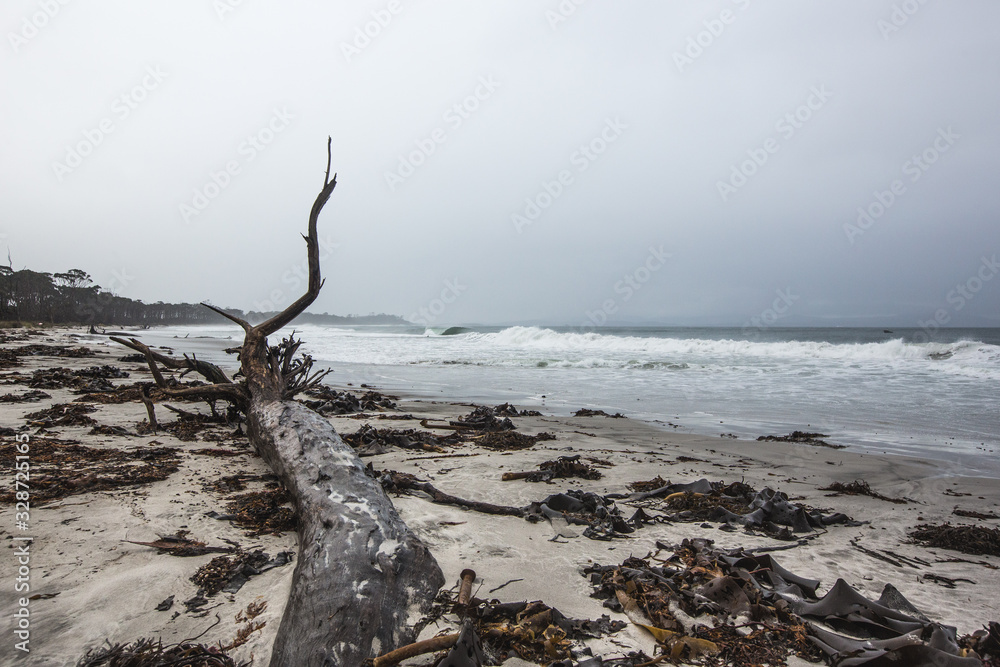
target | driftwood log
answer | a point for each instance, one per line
(362, 579)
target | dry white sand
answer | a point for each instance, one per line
(108, 588)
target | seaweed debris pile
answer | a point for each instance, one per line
(735, 607)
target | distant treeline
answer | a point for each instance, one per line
(73, 298)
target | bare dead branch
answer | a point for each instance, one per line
(239, 320)
(312, 249)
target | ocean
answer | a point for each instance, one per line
(868, 389)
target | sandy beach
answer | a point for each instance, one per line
(92, 581)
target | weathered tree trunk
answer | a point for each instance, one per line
(362, 578)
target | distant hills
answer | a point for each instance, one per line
(73, 298)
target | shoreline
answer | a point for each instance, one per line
(107, 587)
(711, 425)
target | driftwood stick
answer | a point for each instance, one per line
(431, 645)
(148, 402)
(405, 481)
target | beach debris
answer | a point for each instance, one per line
(166, 604)
(432, 645)
(891, 557)
(974, 540)
(484, 419)
(649, 484)
(81, 381)
(399, 482)
(236, 482)
(263, 512)
(328, 401)
(217, 452)
(133, 393)
(509, 440)
(153, 653)
(62, 468)
(193, 426)
(42, 350)
(62, 414)
(802, 438)
(493, 631)
(103, 429)
(370, 441)
(603, 518)
(587, 412)
(228, 574)
(737, 503)
(246, 617)
(26, 397)
(859, 488)
(563, 467)
(972, 514)
(508, 410)
(734, 607)
(179, 544)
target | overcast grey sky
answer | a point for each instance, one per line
(524, 161)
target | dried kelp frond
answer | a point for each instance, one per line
(746, 609)
(328, 401)
(587, 412)
(484, 419)
(508, 410)
(972, 514)
(648, 485)
(152, 653)
(802, 438)
(85, 380)
(62, 414)
(179, 544)
(229, 573)
(370, 441)
(262, 512)
(563, 467)
(860, 488)
(975, 540)
(41, 350)
(509, 440)
(737, 503)
(27, 397)
(62, 468)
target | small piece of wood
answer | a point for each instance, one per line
(431, 645)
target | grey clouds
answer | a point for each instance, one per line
(532, 153)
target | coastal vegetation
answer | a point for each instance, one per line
(72, 297)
